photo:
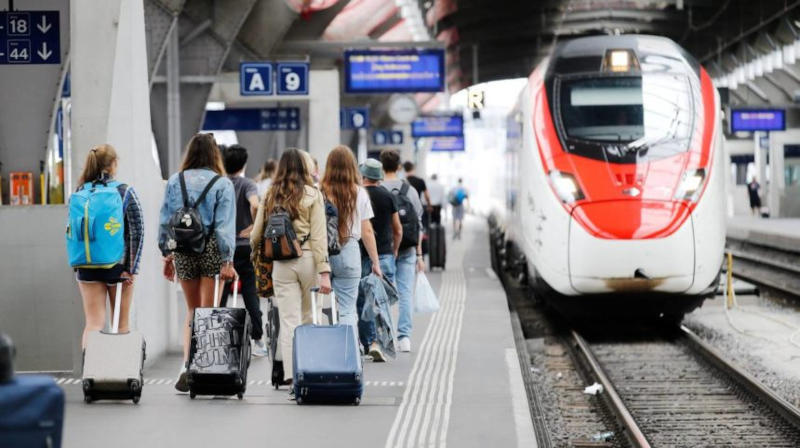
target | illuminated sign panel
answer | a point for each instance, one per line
(448, 144)
(749, 120)
(438, 126)
(375, 71)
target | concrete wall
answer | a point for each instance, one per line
(39, 303)
(111, 104)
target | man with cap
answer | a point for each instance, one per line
(388, 234)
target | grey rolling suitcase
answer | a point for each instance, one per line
(113, 362)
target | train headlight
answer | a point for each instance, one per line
(566, 186)
(691, 183)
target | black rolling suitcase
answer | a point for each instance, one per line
(219, 354)
(273, 327)
(438, 250)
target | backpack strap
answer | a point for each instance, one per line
(206, 190)
(184, 193)
(404, 188)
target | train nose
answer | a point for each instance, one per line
(631, 246)
(631, 219)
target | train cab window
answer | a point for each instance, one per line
(626, 118)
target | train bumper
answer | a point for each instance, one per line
(598, 265)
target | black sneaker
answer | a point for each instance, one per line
(182, 385)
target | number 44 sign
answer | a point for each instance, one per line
(292, 78)
(30, 37)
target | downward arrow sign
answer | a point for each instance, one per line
(44, 53)
(44, 26)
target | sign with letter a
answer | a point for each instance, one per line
(255, 78)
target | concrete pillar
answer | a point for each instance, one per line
(111, 104)
(323, 113)
(174, 138)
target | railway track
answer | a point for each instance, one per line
(770, 268)
(679, 391)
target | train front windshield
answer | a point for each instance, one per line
(626, 118)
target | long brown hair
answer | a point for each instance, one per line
(288, 186)
(98, 161)
(340, 185)
(203, 152)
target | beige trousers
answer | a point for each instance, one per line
(293, 280)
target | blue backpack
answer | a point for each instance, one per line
(96, 226)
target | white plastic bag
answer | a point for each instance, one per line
(425, 300)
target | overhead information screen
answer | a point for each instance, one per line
(750, 120)
(266, 119)
(387, 71)
(448, 144)
(438, 126)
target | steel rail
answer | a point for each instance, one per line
(615, 403)
(789, 412)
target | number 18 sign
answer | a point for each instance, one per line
(30, 37)
(292, 78)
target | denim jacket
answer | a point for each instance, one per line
(377, 295)
(218, 209)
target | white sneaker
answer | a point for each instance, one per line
(404, 345)
(259, 349)
(376, 353)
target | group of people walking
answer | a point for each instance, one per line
(379, 231)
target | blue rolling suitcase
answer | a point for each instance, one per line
(31, 412)
(327, 363)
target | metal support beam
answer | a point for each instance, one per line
(197, 31)
(173, 101)
(475, 64)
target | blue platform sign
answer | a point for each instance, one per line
(354, 118)
(292, 78)
(749, 120)
(448, 144)
(253, 119)
(387, 71)
(30, 37)
(438, 126)
(385, 137)
(255, 78)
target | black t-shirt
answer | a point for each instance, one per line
(383, 207)
(419, 184)
(244, 188)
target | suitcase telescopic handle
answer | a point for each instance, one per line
(117, 300)
(235, 288)
(334, 316)
(216, 291)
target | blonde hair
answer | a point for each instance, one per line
(99, 160)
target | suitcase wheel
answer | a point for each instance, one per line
(136, 399)
(240, 395)
(192, 395)
(87, 398)
(299, 400)
(357, 401)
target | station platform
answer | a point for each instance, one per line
(778, 233)
(460, 386)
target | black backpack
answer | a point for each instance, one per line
(186, 233)
(332, 224)
(408, 217)
(280, 239)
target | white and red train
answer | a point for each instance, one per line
(615, 182)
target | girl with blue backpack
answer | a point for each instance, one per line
(104, 237)
(197, 233)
